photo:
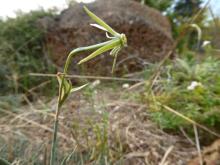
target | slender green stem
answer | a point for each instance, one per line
(60, 100)
(54, 143)
(82, 49)
(65, 87)
(56, 123)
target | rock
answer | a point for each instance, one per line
(148, 33)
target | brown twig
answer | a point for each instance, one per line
(34, 123)
(197, 144)
(169, 150)
(87, 77)
(189, 120)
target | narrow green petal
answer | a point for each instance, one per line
(101, 50)
(99, 27)
(78, 88)
(101, 22)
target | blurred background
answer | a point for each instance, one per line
(35, 39)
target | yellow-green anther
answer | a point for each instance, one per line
(115, 55)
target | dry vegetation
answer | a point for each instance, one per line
(101, 125)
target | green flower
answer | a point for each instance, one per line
(117, 42)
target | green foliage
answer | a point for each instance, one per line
(93, 136)
(181, 9)
(4, 162)
(187, 8)
(21, 52)
(162, 5)
(10, 102)
(212, 33)
(200, 103)
(14, 151)
(179, 13)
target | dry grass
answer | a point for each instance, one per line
(98, 122)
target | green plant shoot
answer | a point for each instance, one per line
(115, 44)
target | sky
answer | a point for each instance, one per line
(8, 7)
(215, 4)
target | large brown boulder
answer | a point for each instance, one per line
(147, 30)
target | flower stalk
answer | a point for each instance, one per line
(115, 44)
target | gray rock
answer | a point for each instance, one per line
(147, 30)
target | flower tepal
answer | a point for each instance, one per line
(117, 42)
